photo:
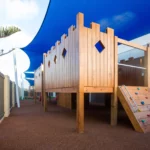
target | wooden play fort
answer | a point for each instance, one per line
(86, 61)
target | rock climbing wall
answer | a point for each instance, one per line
(136, 102)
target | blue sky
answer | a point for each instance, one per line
(26, 14)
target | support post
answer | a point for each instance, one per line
(80, 112)
(13, 94)
(16, 80)
(114, 100)
(22, 87)
(81, 73)
(147, 66)
(45, 101)
(35, 97)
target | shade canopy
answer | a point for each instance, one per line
(129, 19)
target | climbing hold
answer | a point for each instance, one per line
(138, 88)
(136, 93)
(143, 121)
(148, 115)
(142, 102)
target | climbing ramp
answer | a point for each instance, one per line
(136, 103)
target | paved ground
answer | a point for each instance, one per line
(29, 128)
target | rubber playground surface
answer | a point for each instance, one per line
(29, 128)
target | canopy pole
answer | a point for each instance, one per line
(22, 88)
(16, 80)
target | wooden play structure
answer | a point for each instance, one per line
(38, 82)
(86, 61)
(65, 100)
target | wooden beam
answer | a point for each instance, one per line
(98, 89)
(62, 90)
(114, 101)
(132, 44)
(147, 66)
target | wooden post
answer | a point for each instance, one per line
(35, 97)
(147, 66)
(45, 101)
(80, 112)
(80, 94)
(114, 100)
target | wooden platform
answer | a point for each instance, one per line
(136, 103)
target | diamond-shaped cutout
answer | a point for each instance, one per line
(55, 59)
(64, 53)
(99, 46)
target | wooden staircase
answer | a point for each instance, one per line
(136, 103)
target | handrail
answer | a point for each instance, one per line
(122, 41)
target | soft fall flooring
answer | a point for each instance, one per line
(30, 128)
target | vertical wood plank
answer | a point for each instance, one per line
(109, 57)
(77, 56)
(90, 58)
(67, 62)
(70, 64)
(73, 57)
(63, 67)
(59, 73)
(94, 52)
(105, 62)
(110, 34)
(56, 66)
(97, 35)
(84, 46)
(102, 62)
